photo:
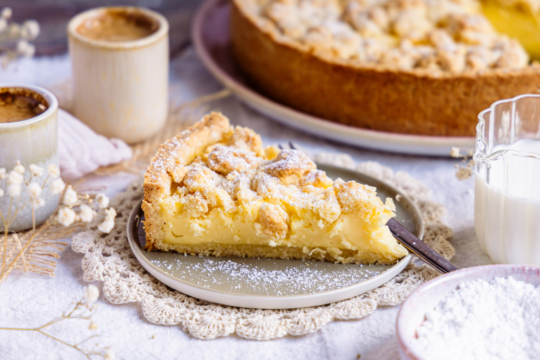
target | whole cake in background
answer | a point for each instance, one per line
(214, 190)
(407, 66)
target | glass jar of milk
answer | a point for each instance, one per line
(507, 184)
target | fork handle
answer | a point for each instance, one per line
(419, 248)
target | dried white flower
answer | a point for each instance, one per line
(53, 170)
(70, 197)
(14, 190)
(19, 168)
(91, 294)
(66, 216)
(1, 192)
(106, 226)
(57, 186)
(86, 214)
(35, 170)
(102, 200)
(30, 29)
(108, 223)
(14, 181)
(455, 152)
(19, 34)
(110, 214)
(6, 13)
(25, 48)
(109, 354)
(37, 202)
(34, 189)
(465, 172)
(3, 173)
(15, 178)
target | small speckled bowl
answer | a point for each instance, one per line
(31, 141)
(426, 297)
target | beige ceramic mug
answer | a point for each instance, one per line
(30, 141)
(120, 86)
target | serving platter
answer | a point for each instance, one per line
(274, 283)
(211, 39)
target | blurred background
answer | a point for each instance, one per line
(53, 16)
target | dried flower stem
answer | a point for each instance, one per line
(10, 267)
(76, 313)
(5, 250)
(25, 252)
(42, 247)
(16, 237)
(466, 171)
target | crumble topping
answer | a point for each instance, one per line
(273, 220)
(439, 36)
(235, 172)
(289, 166)
(225, 160)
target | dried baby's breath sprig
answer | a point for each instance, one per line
(17, 180)
(109, 354)
(15, 38)
(57, 186)
(76, 210)
(91, 294)
(53, 171)
(107, 224)
(88, 210)
(87, 214)
(465, 170)
(84, 309)
(12, 185)
(102, 200)
(66, 216)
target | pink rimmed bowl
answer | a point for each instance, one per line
(412, 312)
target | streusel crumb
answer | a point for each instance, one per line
(435, 35)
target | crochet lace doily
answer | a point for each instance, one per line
(108, 258)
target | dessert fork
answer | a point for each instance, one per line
(419, 248)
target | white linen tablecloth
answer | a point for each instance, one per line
(28, 300)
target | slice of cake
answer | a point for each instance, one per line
(214, 190)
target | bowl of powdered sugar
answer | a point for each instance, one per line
(479, 313)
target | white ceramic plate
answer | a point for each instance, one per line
(211, 38)
(273, 283)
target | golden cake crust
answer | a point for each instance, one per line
(411, 102)
(172, 157)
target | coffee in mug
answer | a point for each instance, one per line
(28, 134)
(116, 25)
(17, 104)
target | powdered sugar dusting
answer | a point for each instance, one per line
(265, 276)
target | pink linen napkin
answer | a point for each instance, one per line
(82, 151)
